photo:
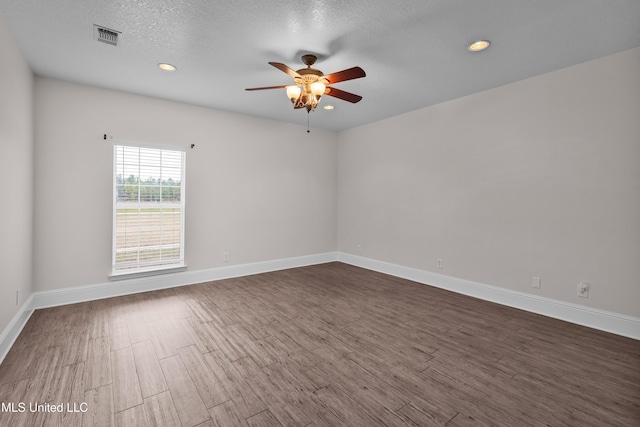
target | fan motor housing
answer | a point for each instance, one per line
(305, 71)
(309, 75)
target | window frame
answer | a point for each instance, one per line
(157, 268)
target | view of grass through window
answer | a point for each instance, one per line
(148, 207)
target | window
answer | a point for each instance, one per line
(148, 209)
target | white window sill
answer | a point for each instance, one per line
(133, 274)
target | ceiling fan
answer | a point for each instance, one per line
(311, 84)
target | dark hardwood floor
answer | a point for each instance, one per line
(326, 345)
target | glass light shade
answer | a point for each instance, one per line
(479, 45)
(166, 67)
(317, 88)
(293, 92)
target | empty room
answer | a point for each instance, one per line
(324, 213)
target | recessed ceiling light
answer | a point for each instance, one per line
(166, 67)
(479, 45)
(329, 107)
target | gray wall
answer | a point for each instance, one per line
(16, 169)
(536, 178)
(259, 189)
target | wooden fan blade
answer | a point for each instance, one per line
(348, 74)
(285, 69)
(341, 94)
(267, 87)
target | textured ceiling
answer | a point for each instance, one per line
(413, 51)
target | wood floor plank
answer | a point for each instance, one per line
(138, 330)
(187, 401)
(352, 376)
(168, 335)
(227, 415)
(21, 359)
(149, 310)
(413, 415)
(75, 344)
(126, 387)
(71, 393)
(100, 411)
(263, 419)
(232, 350)
(286, 403)
(132, 417)
(227, 317)
(619, 409)
(463, 420)
(449, 360)
(199, 310)
(211, 391)
(118, 334)
(345, 406)
(198, 334)
(148, 369)
(98, 321)
(243, 392)
(160, 410)
(97, 370)
(500, 409)
(25, 390)
(49, 373)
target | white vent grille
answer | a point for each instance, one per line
(106, 35)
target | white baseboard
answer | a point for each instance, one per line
(593, 318)
(152, 283)
(15, 326)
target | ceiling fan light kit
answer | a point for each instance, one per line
(311, 84)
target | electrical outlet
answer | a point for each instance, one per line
(359, 249)
(439, 263)
(18, 297)
(535, 282)
(583, 289)
(226, 257)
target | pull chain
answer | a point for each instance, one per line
(308, 131)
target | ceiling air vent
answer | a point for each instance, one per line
(106, 35)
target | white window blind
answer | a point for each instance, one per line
(148, 208)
